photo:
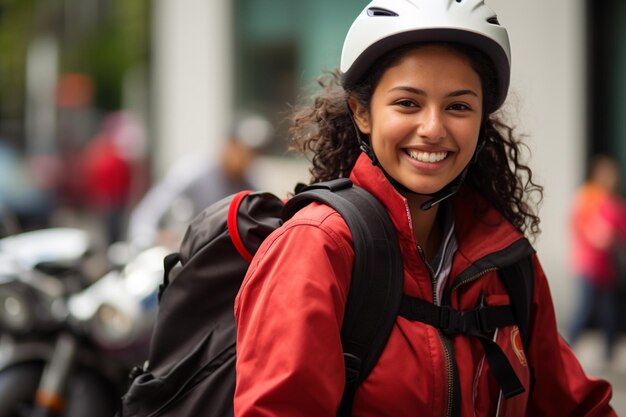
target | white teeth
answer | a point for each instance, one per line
(430, 157)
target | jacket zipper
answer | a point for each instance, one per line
(447, 349)
(445, 343)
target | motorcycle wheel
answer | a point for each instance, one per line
(87, 394)
(17, 388)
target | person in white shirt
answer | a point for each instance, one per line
(193, 183)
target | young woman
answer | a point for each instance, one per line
(411, 119)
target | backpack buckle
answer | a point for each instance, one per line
(452, 321)
(482, 322)
(137, 370)
(353, 367)
(471, 322)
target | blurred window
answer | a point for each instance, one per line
(282, 47)
(606, 66)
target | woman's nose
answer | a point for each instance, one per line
(431, 125)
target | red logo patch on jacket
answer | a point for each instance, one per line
(518, 347)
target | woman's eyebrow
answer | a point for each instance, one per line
(458, 93)
(408, 89)
(421, 92)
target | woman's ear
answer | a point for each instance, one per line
(360, 114)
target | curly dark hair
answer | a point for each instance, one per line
(324, 130)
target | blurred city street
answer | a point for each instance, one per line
(115, 118)
(588, 349)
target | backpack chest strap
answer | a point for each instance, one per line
(479, 322)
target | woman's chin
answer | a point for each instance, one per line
(423, 189)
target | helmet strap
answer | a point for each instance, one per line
(363, 143)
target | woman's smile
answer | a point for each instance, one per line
(427, 157)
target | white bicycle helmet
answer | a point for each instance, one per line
(388, 24)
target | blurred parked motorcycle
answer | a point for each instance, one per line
(67, 344)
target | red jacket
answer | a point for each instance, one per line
(290, 309)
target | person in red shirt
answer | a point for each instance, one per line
(107, 174)
(410, 117)
(598, 224)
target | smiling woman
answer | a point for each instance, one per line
(412, 118)
(424, 118)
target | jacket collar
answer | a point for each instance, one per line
(369, 176)
(480, 229)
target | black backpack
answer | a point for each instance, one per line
(191, 366)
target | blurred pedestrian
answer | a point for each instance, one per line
(194, 183)
(108, 165)
(598, 224)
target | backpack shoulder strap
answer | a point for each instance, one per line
(377, 277)
(519, 280)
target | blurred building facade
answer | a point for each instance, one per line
(184, 66)
(269, 52)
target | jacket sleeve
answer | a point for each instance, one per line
(561, 387)
(289, 312)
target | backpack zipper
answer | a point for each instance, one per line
(491, 262)
(473, 278)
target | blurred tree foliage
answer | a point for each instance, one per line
(101, 38)
(16, 30)
(118, 42)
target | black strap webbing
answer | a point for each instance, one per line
(377, 276)
(478, 322)
(519, 280)
(482, 319)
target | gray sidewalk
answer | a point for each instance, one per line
(589, 351)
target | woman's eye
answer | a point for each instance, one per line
(459, 107)
(406, 103)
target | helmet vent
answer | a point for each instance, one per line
(493, 20)
(378, 11)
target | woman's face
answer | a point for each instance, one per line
(424, 117)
